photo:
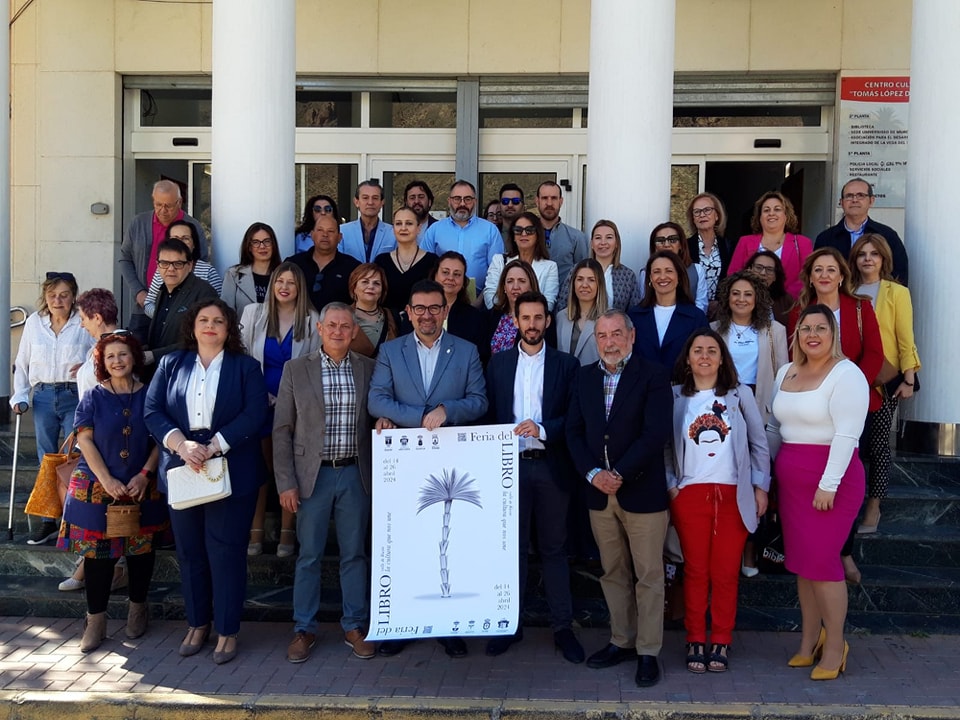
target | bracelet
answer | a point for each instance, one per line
(149, 474)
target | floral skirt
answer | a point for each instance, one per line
(85, 517)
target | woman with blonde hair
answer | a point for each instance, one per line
(707, 246)
(620, 281)
(273, 332)
(586, 301)
(776, 230)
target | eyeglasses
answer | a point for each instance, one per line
(668, 240)
(527, 230)
(323, 209)
(511, 201)
(465, 199)
(176, 264)
(119, 332)
(763, 269)
(165, 206)
(65, 276)
(855, 196)
(700, 212)
(496, 214)
(420, 310)
(813, 329)
(261, 243)
(183, 238)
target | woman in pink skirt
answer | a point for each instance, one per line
(819, 405)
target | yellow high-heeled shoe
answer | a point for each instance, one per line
(818, 673)
(799, 660)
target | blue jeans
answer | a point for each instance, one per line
(339, 492)
(54, 408)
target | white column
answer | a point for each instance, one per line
(5, 246)
(932, 161)
(630, 120)
(254, 81)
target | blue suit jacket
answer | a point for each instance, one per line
(559, 377)
(397, 392)
(633, 437)
(686, 318)
(238, 414)
(352, 241)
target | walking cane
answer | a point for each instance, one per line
(13, 476)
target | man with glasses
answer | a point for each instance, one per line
(366, 237)
(856, 199)
(427, 379)
(138, 250)
(181, 289)
(566, 244)
(418, 197)
(511, 205)
(325, 268)
(475, 238)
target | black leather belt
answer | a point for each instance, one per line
(533, 454)
(340, 462)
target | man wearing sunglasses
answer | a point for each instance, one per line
(511, 206)
(181, 289)
(366, 237)
(138, 251)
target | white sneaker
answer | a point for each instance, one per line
(70, 584)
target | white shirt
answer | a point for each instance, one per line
(744, 345)
(428, 360)
(47, 357)
(86, 376)
(708, 455)
(663, 314)
(202, 397)
(528, 394)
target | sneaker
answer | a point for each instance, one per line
(70, 584)
(47, 531)
(299, 648)
(361, 647)
(285, 550)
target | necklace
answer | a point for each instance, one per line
(416, 254)
(127, 413)
(372, 313)
(740, 332)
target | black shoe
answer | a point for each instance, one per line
(454, 647)
(500, 644)
(389, 648)
(47, 531)
(608, 657)
(567, 643)
(648, 671)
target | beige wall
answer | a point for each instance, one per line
(69, 57)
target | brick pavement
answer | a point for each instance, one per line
(40, 663)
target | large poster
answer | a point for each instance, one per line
(445, 551)
(873, 135)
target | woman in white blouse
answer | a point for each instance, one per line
(529, 243)
(53, 346)
(819, 406)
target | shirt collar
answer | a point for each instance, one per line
(420, 343)
(214, 364)
(620, 365)
(524, 357)
(330, 362)
(856, 229)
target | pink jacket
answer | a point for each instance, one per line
(794, 252)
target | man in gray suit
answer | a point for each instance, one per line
(567, 245)
(322, 463)
(427, 379)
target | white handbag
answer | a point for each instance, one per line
(186, 488)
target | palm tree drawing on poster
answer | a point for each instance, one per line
(450, 486)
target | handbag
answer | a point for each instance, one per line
(187, 489)
(123, 520)
(45, 498)
(769, 542)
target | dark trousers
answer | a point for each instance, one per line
(212, 552)
(541, 496)
(98, 577)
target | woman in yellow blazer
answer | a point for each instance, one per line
(871, 264)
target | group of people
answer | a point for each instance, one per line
(426, 323)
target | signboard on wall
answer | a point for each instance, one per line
(873, 135)
(445, 559)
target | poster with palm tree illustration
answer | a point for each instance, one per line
(445, 533)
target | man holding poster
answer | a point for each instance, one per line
(427, 379)
(531, 387)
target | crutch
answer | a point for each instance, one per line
(13, 475)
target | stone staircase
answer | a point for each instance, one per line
(911, 567)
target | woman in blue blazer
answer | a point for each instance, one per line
(666, 316)
(190, 428)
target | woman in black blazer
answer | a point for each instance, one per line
(212, 537)
(464, 320)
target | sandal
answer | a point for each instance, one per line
(718, 658)
(255, 548)
(696, 659)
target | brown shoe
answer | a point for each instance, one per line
(299, 648)
(136, 620)
(361, 648)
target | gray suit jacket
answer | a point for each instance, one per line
(239, 289)
(751, 456)
(135, 253)
(586, 351)
(568, 246)
(300, 422)
(397, 392)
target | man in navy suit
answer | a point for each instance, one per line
(427, 379)
(617, 427)
(531, 387)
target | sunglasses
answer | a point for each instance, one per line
(65, 276)
(511, 201)
(668, 240)
(528, 230)
(119, 332)
(323, 209)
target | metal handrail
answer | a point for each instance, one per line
(18, 323)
